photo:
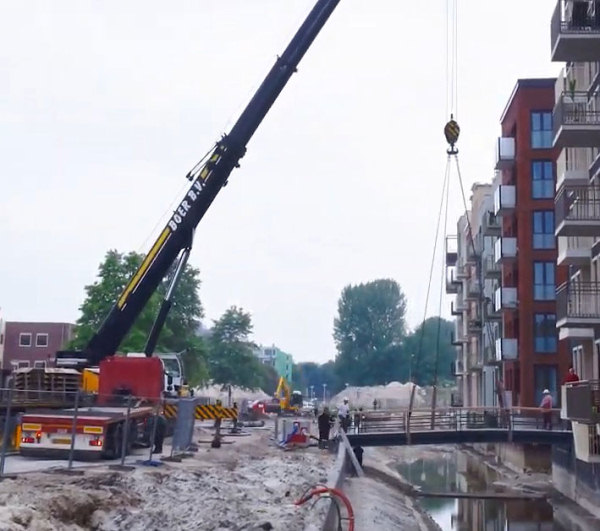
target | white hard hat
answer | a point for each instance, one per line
(345, 399)
(546, 392)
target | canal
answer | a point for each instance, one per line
(461, 472)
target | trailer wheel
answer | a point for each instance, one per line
(115, 436)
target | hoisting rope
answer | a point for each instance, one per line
(451, 132)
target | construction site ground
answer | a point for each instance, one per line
(246, 485)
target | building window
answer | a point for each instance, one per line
(542, 179)
(541, 130)
(41, 340)
(543, 230)
(545, 378)
(545, 332)
(25, 340)
(39, 364)
(543, 281)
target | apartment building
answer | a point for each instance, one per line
(575, 41)
(281, 361)
(34, 344)
(505, 280)
(472, 275)
(532, 358)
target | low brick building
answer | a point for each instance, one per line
(33, 344)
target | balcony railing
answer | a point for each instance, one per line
(505, 153)
(506, 349)
(575, 30)
(583, 401)
(578, 304)
(505, 249)
(577, 211)
(572, 167)
(574, 123)
(491, 225)
(504, 199)
(451, 250)
(505, 299)
(491, 268)
(574, 250)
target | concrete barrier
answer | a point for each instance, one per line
(335, 479)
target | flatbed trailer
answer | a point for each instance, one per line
(98, 432)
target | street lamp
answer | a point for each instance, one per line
(324, 388)
(312, 394)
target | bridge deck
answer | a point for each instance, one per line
(458, 425)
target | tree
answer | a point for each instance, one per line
(312, 374)
(179, 331)
(369, 331)
(231, 358)
(420, 351)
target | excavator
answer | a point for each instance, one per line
(289, 402)
(121, 376)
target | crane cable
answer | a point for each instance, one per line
(451, 132)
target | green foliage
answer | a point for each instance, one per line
(369, 331)
(421, 347)
(307, 374)
(179, 330)
(231, 360)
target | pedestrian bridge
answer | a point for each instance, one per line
(458, 425)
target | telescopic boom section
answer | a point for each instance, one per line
(207, 181)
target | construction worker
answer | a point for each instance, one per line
(159, 435)
(546, 406)
(324, 421)
(344, 414)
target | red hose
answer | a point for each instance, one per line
(317, 491)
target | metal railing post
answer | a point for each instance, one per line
(5, 435)
(153, 436)
(125, 440)
(73, 431)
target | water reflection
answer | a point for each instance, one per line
(457, 472)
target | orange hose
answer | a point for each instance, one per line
(317, 491)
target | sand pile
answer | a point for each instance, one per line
(390, 396)
(217, 391)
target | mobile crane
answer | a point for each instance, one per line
(99, 431)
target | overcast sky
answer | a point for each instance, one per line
(105, 106)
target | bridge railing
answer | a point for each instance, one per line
(456, 419)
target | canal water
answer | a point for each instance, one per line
(460, 472)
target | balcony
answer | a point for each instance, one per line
(459, 308)
(577, 211)
(504, 199)
(578, 304)
(574, 250)
(505, 250)
(572, 167)
(574, 123)
(458, 368)
(505, 299)
(583, 401)
(506, 349)
(459, 341)
(491, 225)
(474, 326)
(490, 313)
(452, 283)
(451, 250)
(491, 268)
(575, 31)
(505, 153)
(473, 290)
(461, 272)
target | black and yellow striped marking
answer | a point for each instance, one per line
(451, 132)
(205, 412)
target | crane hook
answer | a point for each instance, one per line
(451, 132)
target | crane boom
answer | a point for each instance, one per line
(207, 180)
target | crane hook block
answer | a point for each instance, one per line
(451, 132)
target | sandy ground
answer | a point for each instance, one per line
(241, 486)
